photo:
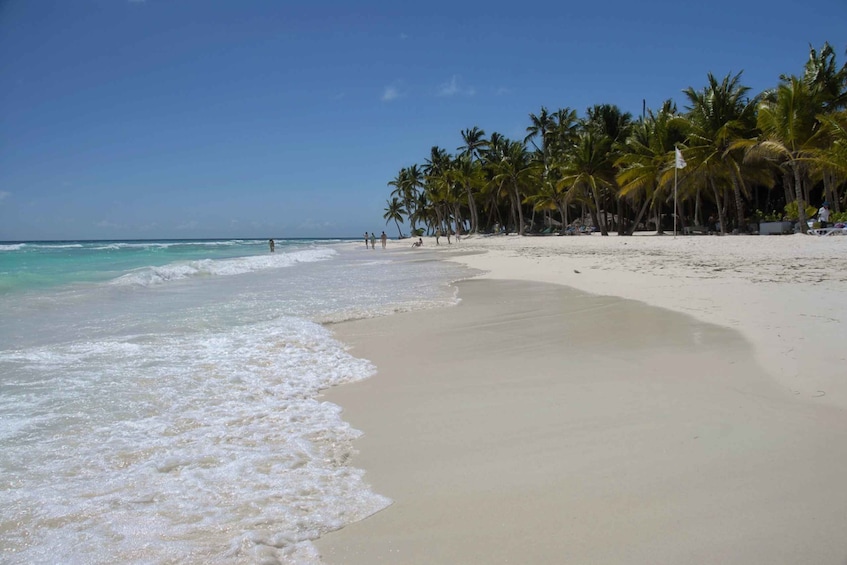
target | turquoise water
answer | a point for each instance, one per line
(45, 264)
(160, 400)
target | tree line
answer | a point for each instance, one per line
(747, 157)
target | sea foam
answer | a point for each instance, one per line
(148, 276)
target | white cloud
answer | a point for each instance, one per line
(4, 194)
(390, 93)
(452, 88)
(403, 36)
(502, 91)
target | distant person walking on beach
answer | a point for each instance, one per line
(366, 240)
(383, 238)
(437, 236)
(373, 241)
(271, 245)
(823, 215)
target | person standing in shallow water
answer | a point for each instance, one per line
(271, 245)
(383, 238)
(366, 240)
(373, 241)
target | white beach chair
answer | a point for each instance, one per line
(828, 231)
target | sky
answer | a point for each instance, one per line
(146, 119)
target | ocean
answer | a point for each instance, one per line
(160, 400)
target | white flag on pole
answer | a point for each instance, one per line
(680, 162)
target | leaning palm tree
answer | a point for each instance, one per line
(395, 211)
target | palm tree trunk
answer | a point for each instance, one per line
(595, 213)
(659, 229)
(721, 209)
(787, 187)
(640, 215)
(472, 208)
(621, 221)
(563, 214)
(801, 201)
(739, 205)
(829, 190)
(519, 207)
(698, 212)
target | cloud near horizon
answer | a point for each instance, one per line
(310, 224)
(107, 224)
(452, 88)
(188, 225)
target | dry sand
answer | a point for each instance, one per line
(535, 423)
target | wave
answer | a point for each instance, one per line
(57, 246)
(12, 247)
(168, 244)
(149, 276)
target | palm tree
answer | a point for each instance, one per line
(437, 184)
(833, 159)
(513, 172)
(474, 142)
(643, 165)
(607, 120)
(791, 135)
(719, 115)
(828, 84)
(588, 171)
(406, 183)
(394, 211)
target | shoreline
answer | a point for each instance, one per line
(786, 294)
(537, 423)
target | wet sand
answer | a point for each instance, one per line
(534, 423)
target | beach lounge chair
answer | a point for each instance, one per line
(836, 230)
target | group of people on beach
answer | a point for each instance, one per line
(372, 240)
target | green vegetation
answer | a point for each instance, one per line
(785, 148)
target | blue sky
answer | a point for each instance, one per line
(270, 118)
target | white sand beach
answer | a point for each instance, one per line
(609, 400)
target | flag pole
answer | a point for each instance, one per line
(678, 163)
(675, 173)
